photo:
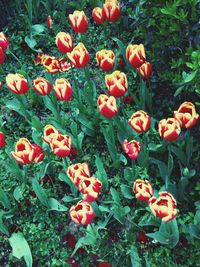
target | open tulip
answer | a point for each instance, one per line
(186, 115)
(140, 121)
(105, 59)
(51, 64)
(116, 83)
(38, 59)
(143, 190)
(78, 171)
(61, 145)
(37, 153)
(79, 56)
(49, 132)
(17, 83)
(163, 207)
(78, 21)
(42, 86)
(131, 148)
(2, 139)
(145, 70)
(49, 22)
(4, 43)
(82, 213)
(112, 10)
(62, 89)
(90, 187)
(169, 129)
(107, 106)
(2, 56)
(64, 42)
(23, 153)
(136, 55)
(65, 65)
(98, 15)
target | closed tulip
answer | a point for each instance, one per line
(61, 145)
(163, 207)
(42, 86)
(90, 187)
(49, 22)
(169, 129)
(186, 115)
(78, 171)
(78, 21)
(98, 15)
(107, 106)
(51, 64)
(105, 59)
(17, 83)
(64, 42)
(2, 56)
(140, 121)
(112, 10)
(62, 89)
(82, 213)
(145, 70)
(49, 132)
(136, 55)
(23, 153)
(143, 190)
(79, 56)
(131, 148)
(4, 43)
(116, 83)
(2, 140)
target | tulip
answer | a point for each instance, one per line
(65, 65)
(38, 59)
(2, 140)
(169, 129)
(78, 171)
(79, 56)
(78, 21)
(49, 132)
(62, 89)
(1, 85)
(49, 22)
(131, 148)
(42, 86)
(2, 56)
(61, 145)
(17, 83)
(140, 121)
(23, 153)
(145, 70)
(90, 187)
(98, 15)
(163, 207)
(37, 153)
(105, 59)
(64, 42)
(143, 190)
(116, 83)
(136, 55)
(51, 64)
(4, 43)
(112, 10)
(107, 106)
(82, 213)
(186, 115)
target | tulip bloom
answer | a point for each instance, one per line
(105, 59)
(98, 15)
(136, 55)
(90, 187)
(143, 190)
(42, 86)
(49, 132)
(140, 121)
(78, 171)
(116, 83)
(62, 89)
(2, 56)
(65, 65)
(163, 207)
(23, 153)
(186, 115)
(169, 129)
(78, 21)
(112, 10)
(61, 145)
(51, 64)
(107, 106)
(145, 70)
(64, 42)
(2, 139)
(79, 56)
(37, 153)
(82, 213)
(4, 43)
(38, 59)
(17, 83)
(1, 85)
(49, 22)
(131, 148)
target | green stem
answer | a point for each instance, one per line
(14, 56)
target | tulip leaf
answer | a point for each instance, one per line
(194, 231)
(4, 199)
(18, 193)
(126, 191)
(31, 42)
(37, 28)
(135, 259)
(180, 154)
(40, 193)
(101, 173)
(55, 205)
(3, 227)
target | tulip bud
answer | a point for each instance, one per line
(169, 129)
(90, 187)
(49, 132)
(163, 207)
(62, 89)
(4, 43)
(2, 140)
(132, 148)
(98, 15)
(49, 22)
(186, 115)
(135, 54)
(78, 171)
(82, 213)
(17, 83)
(37, 154)
(105, 59)
(78, 21)
(112, 10)
(42, 86)
(107, 106)
(79, 56)
(145, 70)
(143, 190)
(61, 145)
(23, 153)
(2, 56)
(51, 64)
(116, 83)
(140, 121)
(64, 42)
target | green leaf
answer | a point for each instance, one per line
(126, 191)
(180, 154)
(3, 227)
(149, 219)
(55, 205)
(101, 173)
(31, 42)
(115, 195)
(4, 199)
(18, 193)
(40, 192)
(15, 105)
(37, 28)
(194, 230)
(135, 259)
(163, 169)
